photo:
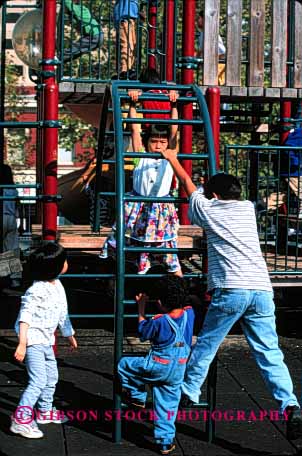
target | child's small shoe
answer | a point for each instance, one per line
(28, 430)
(166, 448)
(131, 401)
(51, 416)
(186, 402)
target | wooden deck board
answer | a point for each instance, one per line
(288, 267)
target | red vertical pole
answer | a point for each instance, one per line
(152, 13)
(170, 40)
(213, 101)
(50, 135)
(286, 106)
(188, 35)
(285, 112)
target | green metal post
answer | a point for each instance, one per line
(2, 107)
(120, 254)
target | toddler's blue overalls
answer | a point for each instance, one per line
(164, 368)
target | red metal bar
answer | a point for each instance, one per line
(286, 106)
(170, 40)
(187, 77)
(152, 13)
(49, 135)
(285, 111)
(213, 101)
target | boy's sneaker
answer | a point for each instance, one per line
(30, 431)
(294, 423)
(51, 416)
(186, 402)
(131, 401)
(166, 448)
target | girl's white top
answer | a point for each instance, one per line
(44, 308)
(152, 177)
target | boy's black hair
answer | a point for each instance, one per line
(172, 292)
(149, 76)
(201, 14)
(6, 175)
(161, 131)
(47, 261)
(225, 185)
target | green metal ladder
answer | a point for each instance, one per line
(119, 94)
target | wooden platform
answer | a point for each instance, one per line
(92, 93)
(79, 237)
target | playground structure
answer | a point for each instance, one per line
(259, 101)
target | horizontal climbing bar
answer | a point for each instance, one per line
(159, 97)
(127, 276)
(244, 147)
(155, 199)
(87, 276)
(47, 198)
(286, 273)
(182, 156)
(105, 315)
(21, 186)
(190, 275)
(133, 85)
(161, 250)
(36, 124)
(153, 120)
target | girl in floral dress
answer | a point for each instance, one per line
(147, 223)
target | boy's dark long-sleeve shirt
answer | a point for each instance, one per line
(159, 331)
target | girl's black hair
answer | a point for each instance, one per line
(47, 261)
(225, 185)
(161, 131)
(6, 175)
(149, 76)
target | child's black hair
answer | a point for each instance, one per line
(172, 292)
(161, 131)
(6, 175)
(225, 185)
(47, 261)
(149, 76)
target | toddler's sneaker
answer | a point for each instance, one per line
(132, 402)
(51, 416)
(30, 431)
(186, 402)
(166, 448)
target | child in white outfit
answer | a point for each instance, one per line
(43, 309)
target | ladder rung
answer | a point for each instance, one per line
(199, 275)
(182, 156)
(87, 276)
(155, 199)
(161, 250)
(153, 120)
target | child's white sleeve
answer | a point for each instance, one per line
(28, 304)
(65, 323)
(197, 207)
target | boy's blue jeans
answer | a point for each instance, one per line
(166, 380)
(256, 311)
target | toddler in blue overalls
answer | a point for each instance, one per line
(170, 334)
